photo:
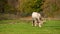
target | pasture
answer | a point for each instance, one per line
(25, 27)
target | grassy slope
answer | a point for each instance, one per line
(24, 27)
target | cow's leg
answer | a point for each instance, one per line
(33, 23)
(39, 22)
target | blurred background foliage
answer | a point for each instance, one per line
(11, 9)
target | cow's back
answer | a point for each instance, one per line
(35, 15)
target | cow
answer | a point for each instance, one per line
(37, 19)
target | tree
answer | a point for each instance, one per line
(29, 6)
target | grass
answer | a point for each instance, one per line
(24, 27)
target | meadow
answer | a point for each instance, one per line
(25, 27)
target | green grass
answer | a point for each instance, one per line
(25, 27)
